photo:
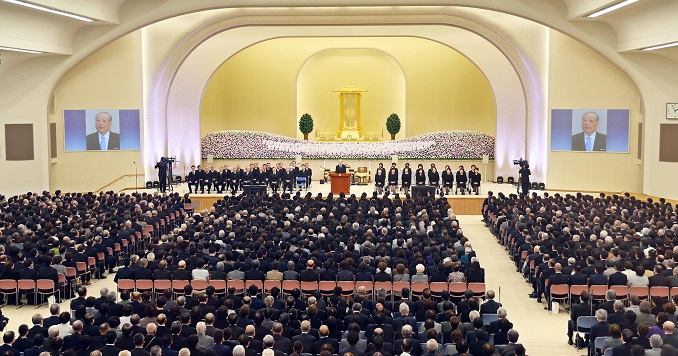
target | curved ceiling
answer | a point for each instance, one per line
(640, 25)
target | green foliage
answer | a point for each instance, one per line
(306, 124)
(393, 124)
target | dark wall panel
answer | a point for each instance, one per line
(19, 142)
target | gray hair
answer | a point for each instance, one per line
(239, 350)
(432, 345)
(268, 341)
(601, 314)
(501, 313)
(103, 291)
(656, 341)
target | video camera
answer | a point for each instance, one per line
(520, 162)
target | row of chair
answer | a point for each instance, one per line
(39, 288)
(326, 288)
(564, 293)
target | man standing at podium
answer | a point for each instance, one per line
(341, 168)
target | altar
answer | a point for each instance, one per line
(350, 120)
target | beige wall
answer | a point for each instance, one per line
(109, 79)
(579, 78)
(364, 68)
(257, 88)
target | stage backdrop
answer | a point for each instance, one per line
(78, 124)
(611, 127)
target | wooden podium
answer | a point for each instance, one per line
(340, 183)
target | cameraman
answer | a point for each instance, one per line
(524, 173)
(162, 174)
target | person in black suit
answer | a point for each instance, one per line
(625, 348)
(340, 168)
(490, 306)
(617, 278)
(310, 274)
(193, 180)
(161, 166)
(104, 139)
(352, 338)
(324, 333)
(305, 338)
(601, 328)
(589, 139)
(110, 349)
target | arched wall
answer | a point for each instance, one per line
(259, 89)
(183, 107)
(365, 68)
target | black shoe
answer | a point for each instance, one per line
(539, 301)
(532, 295)
(569, 342)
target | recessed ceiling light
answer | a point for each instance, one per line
(19, 50)
(612, 8)
(672, 44)
(46, 9)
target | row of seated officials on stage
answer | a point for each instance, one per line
(618, 242)
(234, 179)
(294, 176)
(357, 231)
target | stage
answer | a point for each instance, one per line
(461, 204)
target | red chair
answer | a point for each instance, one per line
(597, 292)
(161, 285)
(621, 291)
(417, 288)
(238, 284)
(72, 277)
(559, 292)
(62, 285)
(199, 286)
(143, 285)
(178, 286)
(387, 286)
(269, 284)
(92, 266)
(308, 288)
(478, 289)
(188, 208)
(437, 288)
(81, 267)
(45, 287)
(659, 292)
(219, 286)
(8, 287)
(28, 286)
(289, 285)
(347, 288)
(258, 283)
(369, 286)
(398, 288)
(457, 290)
(575, 290)
(642, 292)
(327, 288)
(126, 284)
(674, 292)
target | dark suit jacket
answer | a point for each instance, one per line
(305, 339)
(93, 141)
(489, 307)
(319, 344)
(579, 142)
(110, 350)
(622, 350)
(340, 169)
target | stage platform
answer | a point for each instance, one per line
(461, 204)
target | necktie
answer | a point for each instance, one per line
(589, 144)
(103, 144)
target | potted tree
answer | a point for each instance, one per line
(393, 125)
(306, 125)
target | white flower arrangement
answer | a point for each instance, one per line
(453, 144)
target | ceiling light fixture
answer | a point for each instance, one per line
(672, 44)
(612, 8)
(19, 50)
(46, 9)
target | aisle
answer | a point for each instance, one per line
(540, 332)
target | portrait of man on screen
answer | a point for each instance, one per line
(589, 139)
